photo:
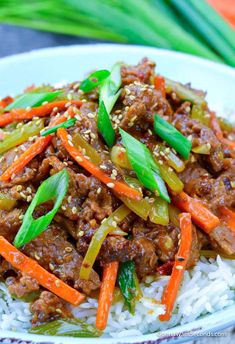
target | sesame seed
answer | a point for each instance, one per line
(68, 104)
(80, 233)
(110, 185)
(127, 91)
(78, 158)
(150, 132)
(74, 210)
(92, 135)
(58, 311)
(91, 115)
(70, 143)
(16, 158)
(36, 256)
(23, 195)
(190, 137)
(103, 167)
(179, 267)
(57, 283)
(21, 217)
(55, 109)
(19, 187)
(132, 97)
(51, 266)
(114, 172)
(68, 249)
(63, 207)
(78, 117)
(99, 190)
(114, 223)
(29, 198)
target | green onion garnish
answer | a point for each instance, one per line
(32, 99)
(52, 189)
(144, 165)
(172, 136)
(109, 93)
(94, 80)
(69, 123)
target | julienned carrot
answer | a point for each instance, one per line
(36, 148)
(6, 101)
(119, 187)
(228, 217)
(106, 294)
(218, 132)
(159, 84)
(202, 216)
(39, 111)
(31, 268)
(181, 259)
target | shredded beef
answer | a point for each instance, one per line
(143, 72)
(22, 286)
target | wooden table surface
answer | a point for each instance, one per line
(17, 40)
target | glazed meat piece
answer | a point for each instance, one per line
(10, 223)
(117, 248)
(47, 308)
(143, 72)
(53, 252)
(223, 239)
(22, 286)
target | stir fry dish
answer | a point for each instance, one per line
(104, 182)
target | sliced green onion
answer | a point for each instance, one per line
(94, 80)
(98, 238)
(32, 99)
(109, 93)
(172, 136)
(21, 134)
(144, 165)
(52, 189)
(69, 123)
(105, 126)
(127, 284)
(67, 328)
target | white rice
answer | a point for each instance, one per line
(208, 288)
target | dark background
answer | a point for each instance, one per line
(14, 40)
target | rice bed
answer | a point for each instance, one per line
(208, 288)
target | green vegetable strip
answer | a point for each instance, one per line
(52, 189)
(209, 33)
(98, 238)
(69, 327)
(109, 93)
(21, 135)
(94, 80)
(184, 92)
(172, 136)
(127, 284)
(215, 20)
(159, 213)
(32, 99)
(105, 126)
(6, 202)
(144, 166)
(67, 124)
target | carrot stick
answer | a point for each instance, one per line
(119, 187)
(228, 217)
(6, 101)
(202, 216)
(181, 259)
(39, 111)
(106, 294)
(34, 270)
(159, 84)
(36, 148)
(218, 132)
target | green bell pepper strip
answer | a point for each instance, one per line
(21, 135)
(172, 136)
(69, 123)
(67, 328)
(94, 80)
(80, 143)
(159, 213)
(98, 238)
(127, 284)
(109, 93)
(52, 189)
(198, 112)
(144, 165)
(6, 202)
(183, 92)
(32, 99)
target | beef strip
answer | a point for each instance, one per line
(10, 223)
(143, 72)
(22, 286)
(47, 308)
(53, 252)
(223, 239)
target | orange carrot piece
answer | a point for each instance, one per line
(36, 148)
(30, 267)
(115, 185)
(159, 84)
(106, 294)
(202, 216)
(218, 132)
(39, 111)
(228, 217)
(6, 101)
(181, 259)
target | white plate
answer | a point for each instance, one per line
(71, 63)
